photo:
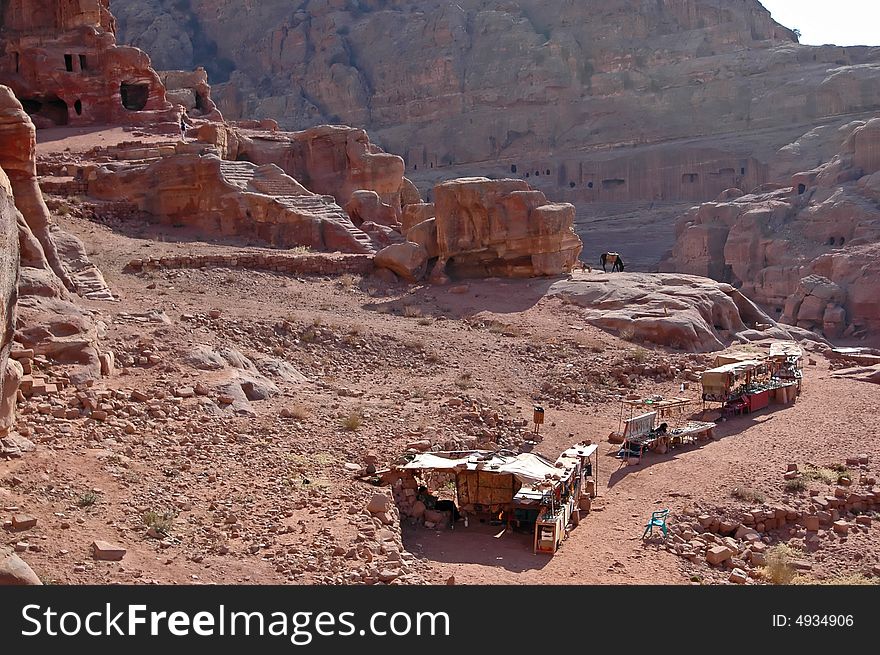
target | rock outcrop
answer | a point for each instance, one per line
(231, 199)
(809, 251)
(47, 321)
(331, 160)
(680, 311)
(61, 60)
(502, 228)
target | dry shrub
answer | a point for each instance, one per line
(353, 421)
(779, 569)
(747, 494)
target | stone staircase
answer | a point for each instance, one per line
(270, 181)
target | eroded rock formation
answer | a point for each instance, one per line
(681, 311)
(47, 320)
(191, 90)
(222, 198)
(61, 60)
(808, 251)
(502, 227)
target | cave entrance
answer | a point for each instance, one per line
(51, 107)
(78, 107)
(801, 189)
(68, 63)
(134, 96)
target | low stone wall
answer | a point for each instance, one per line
(311, 264)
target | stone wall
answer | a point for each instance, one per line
(317, 264)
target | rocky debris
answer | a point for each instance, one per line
(738, 576)
(105, 551)
(502, 228)
(22, 522)
(14, 570)
(729, 539)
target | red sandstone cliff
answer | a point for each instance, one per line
(594, 102)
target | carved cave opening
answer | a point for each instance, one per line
(68, 63)
(78, 107)
(134, 96)
(801, 189)
(51, 107)
(83, 63)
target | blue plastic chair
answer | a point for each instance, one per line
(658, 519)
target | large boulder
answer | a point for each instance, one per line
(408, 260)
(680, 311)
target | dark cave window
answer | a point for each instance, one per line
(589, 185)
(134, 96)
(801, 188)
(513, 168)
(572, 185)
(78, 107)
(17, 60)
(548, 172)
(68, 63)
(742, 171)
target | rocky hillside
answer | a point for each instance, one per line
(808, 251)
(615, 101)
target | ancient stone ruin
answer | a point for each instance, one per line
(62, 62)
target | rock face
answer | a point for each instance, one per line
(61, 60)
(502, 227)
(603, 102)
(17, 158)
(808, 251)
(47, 320)
(679, 311)
(10, 371)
